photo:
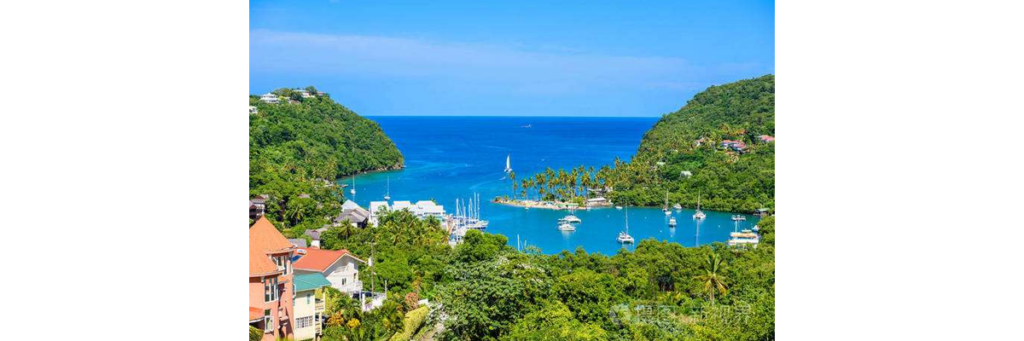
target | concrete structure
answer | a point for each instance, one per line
(270, 98)
(253, 110)
(340, 267)
(258, 206)
(309, 307)
(270, 281)
(421, 209)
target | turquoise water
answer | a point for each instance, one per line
(453, 157)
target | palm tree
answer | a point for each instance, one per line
(515, 185)
(712, 280)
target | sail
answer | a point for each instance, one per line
(508, 163)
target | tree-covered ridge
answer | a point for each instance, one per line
(487, 290)
(301, 146)
(683, 153)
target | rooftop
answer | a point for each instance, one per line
(311, 281)
(319, 260)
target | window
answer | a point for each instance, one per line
(283, 264)
(270, 292)
(304, 322)
(268, 322)
(307, 298)
(343, 281)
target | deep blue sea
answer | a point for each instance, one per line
(453, 157)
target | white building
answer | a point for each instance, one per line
(253, 110)
(340, 267)
(421, 209)
(269, 98)
(309, 308)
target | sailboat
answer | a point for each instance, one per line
(624, 236)
(566, 227)
(665, 208)
(672, 222)
(508, 166)
(571, 218)
(700, 214)
(387, 196)
(353, 190)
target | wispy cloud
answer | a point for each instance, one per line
(515, 68)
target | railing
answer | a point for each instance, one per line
(319, 305)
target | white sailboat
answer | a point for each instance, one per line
(672, 222)
(624, 236)
(566, 227)
(387, 196)
(571, 218)
(508, 164)
(665, 208)
(700, 214)
(353, 190)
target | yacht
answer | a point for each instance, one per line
(672, 222)
(677, 207)
(700, 214)
(738, 217)
(624, 236)
(618, 207)
(571, 218)
(566, 227)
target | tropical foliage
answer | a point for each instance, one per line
(682, 155)
(297, 151)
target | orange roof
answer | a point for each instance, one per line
(319, 260)
(265, 237)
(255, 313)
(259, 263)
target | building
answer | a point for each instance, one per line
(298, 242)
(270, 281)
(734, 145)
(309, 308)
(698, 142)
(270, 98)
(686, 174)
(258, 206)
(340, 267)
(253, 110)
(314, 236)
(376, 209)
(359, 217)
(422, 209)
(766, 138)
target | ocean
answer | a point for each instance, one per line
(453, 157)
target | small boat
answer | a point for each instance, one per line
(677, 206)
(738, 218)
(700, 214)
(571, 218)
(624, 236)
(618, 207)
(566, 227)
(672, 222)
(756, 229)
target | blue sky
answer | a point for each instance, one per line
(509, 58)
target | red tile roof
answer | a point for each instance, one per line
(264, 236)
(255, 313)
(260, 263)
(319, 260)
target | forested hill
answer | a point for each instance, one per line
(302, 145)
(683, 153)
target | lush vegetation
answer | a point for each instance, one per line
(490, 291)
(562, 185)
(670, 159)
(255, 334)
(299, 149)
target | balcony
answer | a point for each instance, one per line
(319, 305)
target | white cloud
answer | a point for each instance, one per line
(517, 69)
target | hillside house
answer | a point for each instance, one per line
(309, 308)
(270, 281)
(269, 98)
(766, 138)
(340, 267)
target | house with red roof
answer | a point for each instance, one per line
(340, 267)
(767, 138)
(270, 281)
